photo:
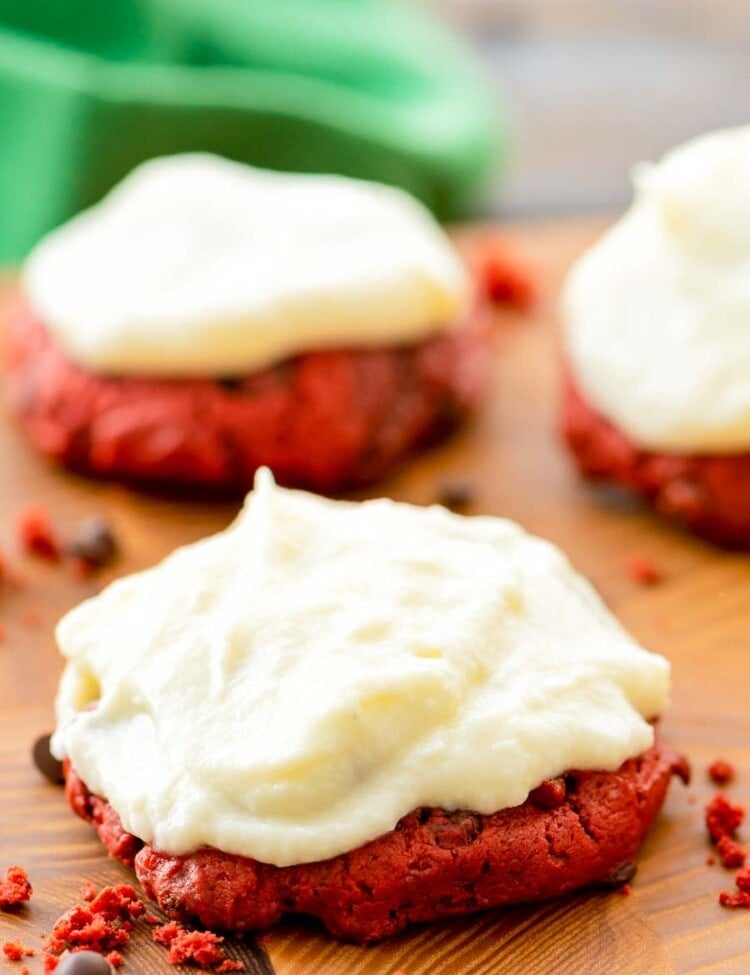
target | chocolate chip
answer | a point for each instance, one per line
(456, 495)
(621, 875)
(94, 542)
(230, 383)
(46, 762)
(84, 963)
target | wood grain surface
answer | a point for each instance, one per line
(698, 616)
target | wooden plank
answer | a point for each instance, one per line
(698, 617)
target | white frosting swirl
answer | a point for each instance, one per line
(195, 265)
(657, 313)
(289, 688)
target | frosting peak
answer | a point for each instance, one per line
(657, 313)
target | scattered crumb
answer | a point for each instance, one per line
(88, 891)
(731, 853)
(741, 896)
(115, 959)
(15, 888)
(151, 919)
(201, 947)
(503, 278)
(103, 925)
(626, 890)
(81, 569)
(721, 772)
(711, 860)
(36, 535)
(643, 571)
(16, 950)
(723, 817)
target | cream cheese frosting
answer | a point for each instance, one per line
(657, 313)
(196, 265)
(289, 688)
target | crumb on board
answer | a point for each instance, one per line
(730, 852)
(103, 924)
(721, 771)
(740, 897)
(723, 818)
(644, 571)
(36, 535)
(503, 277)
(16, 950)
(15, 888)
(202, 947)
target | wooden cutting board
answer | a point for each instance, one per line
(698, 616)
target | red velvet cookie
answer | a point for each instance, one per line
(323, 420)
(709, 494)
(582, 829)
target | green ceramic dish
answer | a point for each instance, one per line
(368, 88)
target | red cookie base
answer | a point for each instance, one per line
(709, 494)
(580, 830)
(324, 420)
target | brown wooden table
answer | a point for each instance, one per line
(698, 616)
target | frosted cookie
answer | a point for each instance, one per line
(207, 318)
(371, 713)
(657, 344)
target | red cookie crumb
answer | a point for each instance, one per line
(115, 959)
(710, 860)
(103, 925)
(15, 950)
(721, 772)
(81, 569)
(15, 888)
(36, 535)
(723, 817)
(740, 898)
(731, 853)
(644, 571)
(201, 947)
(504, 279)
(88, 891)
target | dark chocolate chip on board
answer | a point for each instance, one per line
(94, 542)
(456, 495)
(622, 875)
(84, 963)
(46, 762)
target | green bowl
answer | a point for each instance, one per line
(367, 88)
